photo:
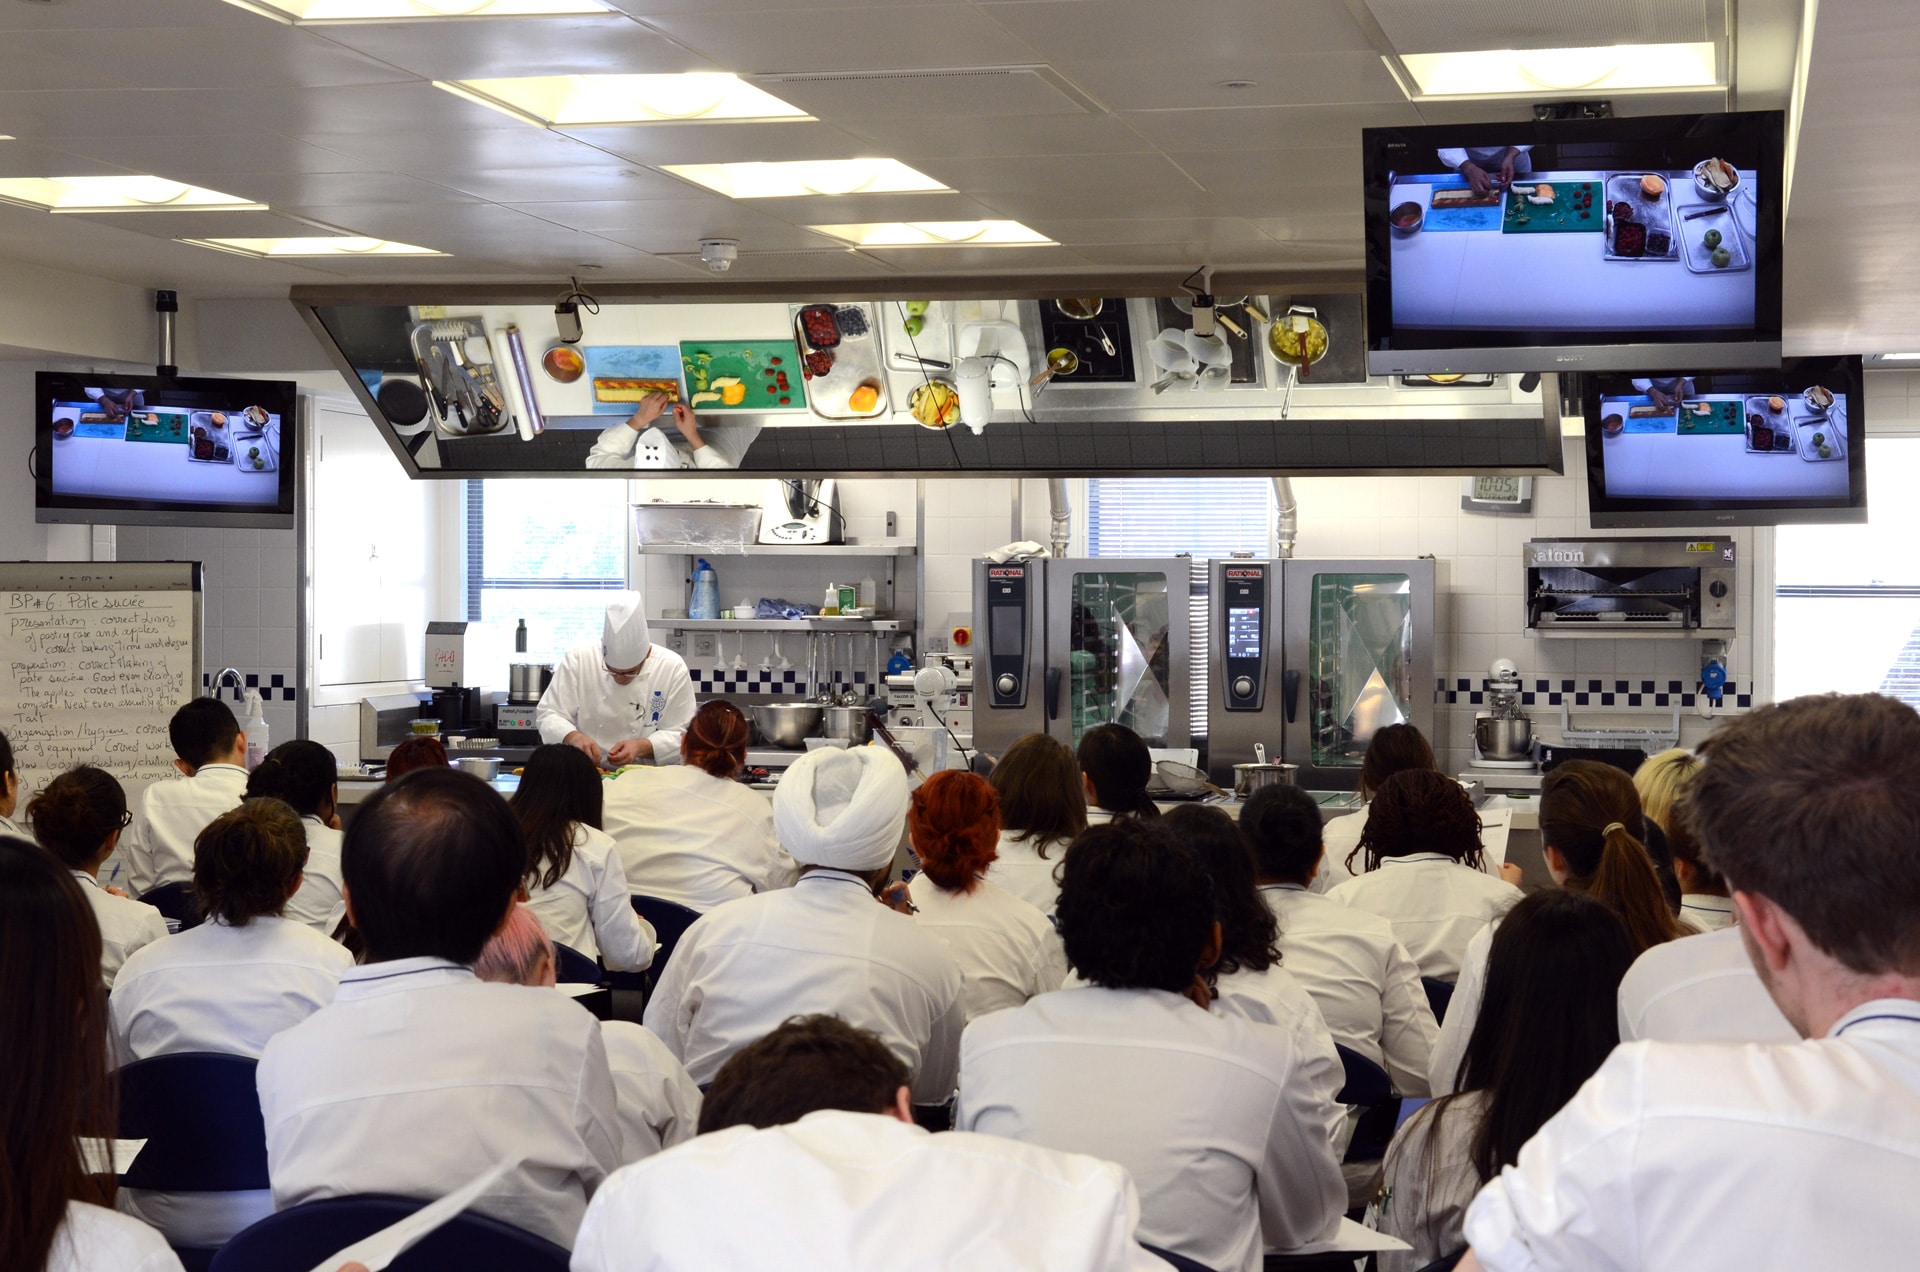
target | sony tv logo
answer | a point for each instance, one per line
(1569, 357)
(1559, 556)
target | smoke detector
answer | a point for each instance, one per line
(719, 255)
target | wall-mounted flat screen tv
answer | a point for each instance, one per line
(173, 451)
(1574, 245)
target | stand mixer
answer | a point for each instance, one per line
(1503, 735)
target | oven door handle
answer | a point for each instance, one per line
(1290, 692)
(1052, 682)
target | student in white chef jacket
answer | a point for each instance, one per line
(1394, 748)
(1215, 1116)
(626, 444)
(691, 833)
(659, 1104)
(622, 701)
(226, 986)
(1700, 989)
(1424, 872)
(418, 1074)
(808, 1160)
(53, 1019)
(211, 754)
(1713, 1158)
(1043, 805)
(1363, 979)
(78, 817)
(304, 775)
(574, 883)
(1006, 949)
(827, 944)
(9, 791)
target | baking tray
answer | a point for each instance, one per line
(220, 436)
(934, 343)
(1808, 421)
(1758, 405)
(1694, 222)
(856, 361)
(1655, 214)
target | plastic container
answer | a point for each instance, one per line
(254, 725)
(706, 591)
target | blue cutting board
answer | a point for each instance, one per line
(1668, 423)
(629, 362)
(1447, 219)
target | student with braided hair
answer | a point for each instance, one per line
(1424, 870)
(689, 832)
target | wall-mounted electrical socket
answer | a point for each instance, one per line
(678, 643)
(703, 646)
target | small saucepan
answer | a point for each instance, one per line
(1084, 309)
(1248, 778)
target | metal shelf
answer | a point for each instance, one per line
(778, 624)
(881, 548)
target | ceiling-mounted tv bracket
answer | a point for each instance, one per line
(1546, 111)
(165, 305)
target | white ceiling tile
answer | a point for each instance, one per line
(297, 191)
(608, 178)
(911, 139)
(1267, 127)
(610, 45)
(656, 144)
(1117, 232)
(1101, 177)
(152, 14)
(791, 265)
(1277, 80)
(263, 55)
(957, 96)
(190, 158)
(897, 37)
(469, 154)
(25, 159)
(1206, 31)
(994, 260)
(677, 227)
(179, 225)
(1441, 26)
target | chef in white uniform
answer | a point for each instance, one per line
(1660, 1160)
(1699, 989)
(827, 944)
(716, 446)
(1484, 167)
(211, 754)
(623, 701)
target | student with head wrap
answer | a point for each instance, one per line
(828, 944)
(624, 700)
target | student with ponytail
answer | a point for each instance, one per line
(1591, 823)
(1116, 767)
(78, 818)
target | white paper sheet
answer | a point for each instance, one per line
(1352, 1237)
(1495, 825)
(388, 1244)
(109, 1157)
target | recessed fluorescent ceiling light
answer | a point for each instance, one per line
(1611, 68)
(937, 234)
(120, 194)
(391, 10)
(326, 245)
(579, 100)
(805, 176)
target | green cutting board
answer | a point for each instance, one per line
(1558, 217)
(1725, 419)
(757, 364)
(163, 431)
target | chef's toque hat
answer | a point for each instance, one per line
(624, 640)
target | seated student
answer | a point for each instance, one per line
(808, 1161)
(418, 1075)
(1702, 989)
(78, 817)
(53, 1053)
(659, 1104)
(1043, 805)
(1215, 1116)
(1714, 1158)
(1394, 748)
(9, 791)
(575, 885)
(228, 986)
(1115, 768)
(1364, 981)
(1423, 870)
(416, 753)
(1662, 782)
(826, 944)
(1704, 903)
(1007, 950)
(1545, 1026)
(689, 832)
(211, 754)
(304, 775)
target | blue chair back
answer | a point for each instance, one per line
(297, 1240)
(571, 967)
(1439, 994)
(1369, 1087)
(1179, 1261)
(175, 901)
(1367, 1083)
(670, 922)
(200, 1115)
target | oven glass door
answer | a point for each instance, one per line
(1360, 674)
(1119, 653)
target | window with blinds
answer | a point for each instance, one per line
(545, 551)
(1208, 518)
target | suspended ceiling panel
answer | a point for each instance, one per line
(1424, 26)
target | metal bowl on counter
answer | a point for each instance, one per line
(1503, 739)
(484, 767)
(1248, 778)
(787, 724)
(850, 723)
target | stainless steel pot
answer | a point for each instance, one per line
(484, 767)
(527, 681)
(1248, 778)
(1508, 739)
(787, 724)
(850, 723)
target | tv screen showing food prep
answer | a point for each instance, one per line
(152, 450)
(1574, 245)
(1763, 446)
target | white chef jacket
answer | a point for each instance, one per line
(1704, 912)
(1274, 997)
(95, 1239)
(1006, 949)
(1020, 869)
(1483, 156)
(1427, 1183)
(1699, 989)
(861, 1192)
(589, 908)
(1210, 1113)
(1338, 838)
(1361, 977)
(685, 835)
(419, 1075)
(659, 1105)
(10, 827)
(1434, 903)
(221, 988)
(657, 705)
(823, 945)
(319, 891)
(726, 445)
(159, 844)
(125, 926)
(1463, 1012)
(1712, 1158)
